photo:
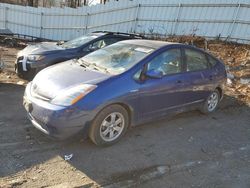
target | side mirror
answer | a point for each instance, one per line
(154, 74)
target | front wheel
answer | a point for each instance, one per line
(211, 104)
(109, 125)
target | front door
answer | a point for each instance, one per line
(158, 95)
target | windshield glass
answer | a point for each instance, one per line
(118, 57)
(78, 41)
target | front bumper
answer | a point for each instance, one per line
(53, 120)
(24, 67)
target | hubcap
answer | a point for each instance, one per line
(212, 101)
(112, 126)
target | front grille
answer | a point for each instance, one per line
(19, 65)
(20, 58)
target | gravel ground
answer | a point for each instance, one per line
(187, 150)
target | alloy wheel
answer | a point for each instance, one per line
(112, 126)
(212, 101)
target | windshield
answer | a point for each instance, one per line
(118, 57)
(78, 41)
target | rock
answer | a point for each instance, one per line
(230, 75)
(34, 178)
(229, 82)
(1, 65)
(17, 182)
(68, 157)
(230, 60)
(190, 139)
(28, 137)
(20, 83)
(19, 165)
(245, 81)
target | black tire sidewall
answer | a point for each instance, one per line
(94, 132)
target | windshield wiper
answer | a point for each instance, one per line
(91, 65)
(82, 63)
(98, 67)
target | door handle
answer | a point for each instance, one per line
(178, 81)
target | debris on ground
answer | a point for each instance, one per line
(245, 81)
(20, 83)
(9, 41)
(27, 137)
(68, 157)
(1, 65)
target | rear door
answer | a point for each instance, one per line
(199, 74)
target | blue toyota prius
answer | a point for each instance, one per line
(125, 84)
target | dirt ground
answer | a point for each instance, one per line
(187, 150)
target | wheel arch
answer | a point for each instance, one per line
(127, 107)
(220, 91)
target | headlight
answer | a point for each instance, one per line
(72, 95)
(35, 57)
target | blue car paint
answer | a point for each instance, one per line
(145, 100)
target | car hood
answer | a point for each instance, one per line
(40, 48)
(55, 79)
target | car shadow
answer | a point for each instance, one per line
(174, 140)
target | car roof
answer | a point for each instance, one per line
(155, 44)
(97, 34)
(128, 35)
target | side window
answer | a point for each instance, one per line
(94, 46)
(168, 62)
(98, 44)
(101, 44)
(212, 61)
(105, 42)
(109, 41)
(195, 60)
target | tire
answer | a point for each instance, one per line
(211, 103)
(109, 125)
